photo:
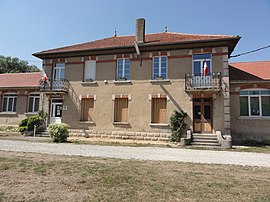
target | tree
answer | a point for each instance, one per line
(178, 125)
(15, 65)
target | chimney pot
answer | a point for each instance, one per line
(140, 30)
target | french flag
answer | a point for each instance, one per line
(205, 69)
(45, 78)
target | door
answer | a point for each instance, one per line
(202, 115)
(56, 112)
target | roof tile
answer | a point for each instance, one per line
(20, 80)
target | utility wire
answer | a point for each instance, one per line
(248, 52)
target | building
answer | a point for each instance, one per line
(19, 97)
(134, 83)
(250, 101)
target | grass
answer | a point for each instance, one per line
(40, 177)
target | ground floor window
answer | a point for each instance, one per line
(255, 103)
(9, 103)
(121, 110)
(159, 110)
(33, 102)
(87, 109)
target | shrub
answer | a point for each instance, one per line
(9, 128)
(58, 132)
(178, 125)
(34, 120)
(23, 125)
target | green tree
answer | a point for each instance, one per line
(15, 65)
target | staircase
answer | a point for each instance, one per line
(204, 140)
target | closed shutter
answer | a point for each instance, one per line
(159, 110)
(121, 110)
(90, 70)
(87, 109)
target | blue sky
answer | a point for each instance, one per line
(29, 26)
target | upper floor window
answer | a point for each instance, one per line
(59, 71)
(160, 67)
(33, 103)
(255, 102)
(9, 103)
(123, 69)
(90, 70)
(198, 64)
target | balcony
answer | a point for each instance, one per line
(199, 82)
(54, 86)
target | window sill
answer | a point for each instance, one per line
(253, 118)
(8, 113)
(31, 113)
(159, 81)
(159, 124)
(88, 122)
(121, 123)
(89, 83)
(121, 81)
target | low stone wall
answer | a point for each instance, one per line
(120, 135)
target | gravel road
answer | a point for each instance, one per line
(141, 153)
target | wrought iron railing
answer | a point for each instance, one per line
(54, 85)
(195, 82)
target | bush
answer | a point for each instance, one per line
(9, 128)
(28, 123)
(58, 132)
(23, 125)
(34, 120)
(178, 125)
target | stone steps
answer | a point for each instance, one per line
(205, 140)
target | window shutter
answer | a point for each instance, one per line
(121, 110)
(90, 70)
(87, 109)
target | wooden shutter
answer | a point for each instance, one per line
(159, 110)
(121, 110)
(90, 70)
(87, 109)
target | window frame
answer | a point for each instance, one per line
(259, 95)
(34, 96)
(202, 63)
(123, 69)
(84, 73)
(60, 69)
(9, 96)
(159, 67)
(92, 100)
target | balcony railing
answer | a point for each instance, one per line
(53, 86)
(199, 82)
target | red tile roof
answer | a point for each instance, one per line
(150, 39)
(258, 69)
(20, 80)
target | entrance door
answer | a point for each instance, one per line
(202, 115)
(56, 112)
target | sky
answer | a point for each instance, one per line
(29, 26)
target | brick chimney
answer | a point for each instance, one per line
(140, 30)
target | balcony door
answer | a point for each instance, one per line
(59, 72)
(202, 115)
(200, 80)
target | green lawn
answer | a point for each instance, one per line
(40, 177)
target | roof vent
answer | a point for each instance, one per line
(140, 30)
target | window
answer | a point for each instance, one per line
(198, 63)
(123, 69)
(121, 110)
(59, 71)
(87, 109)
(90, 70)
(255, 103)
(159, 110)
(160, 67)
(9, 103)
(33, 102)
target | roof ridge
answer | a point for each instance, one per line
(21, 73)
(250, 61)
